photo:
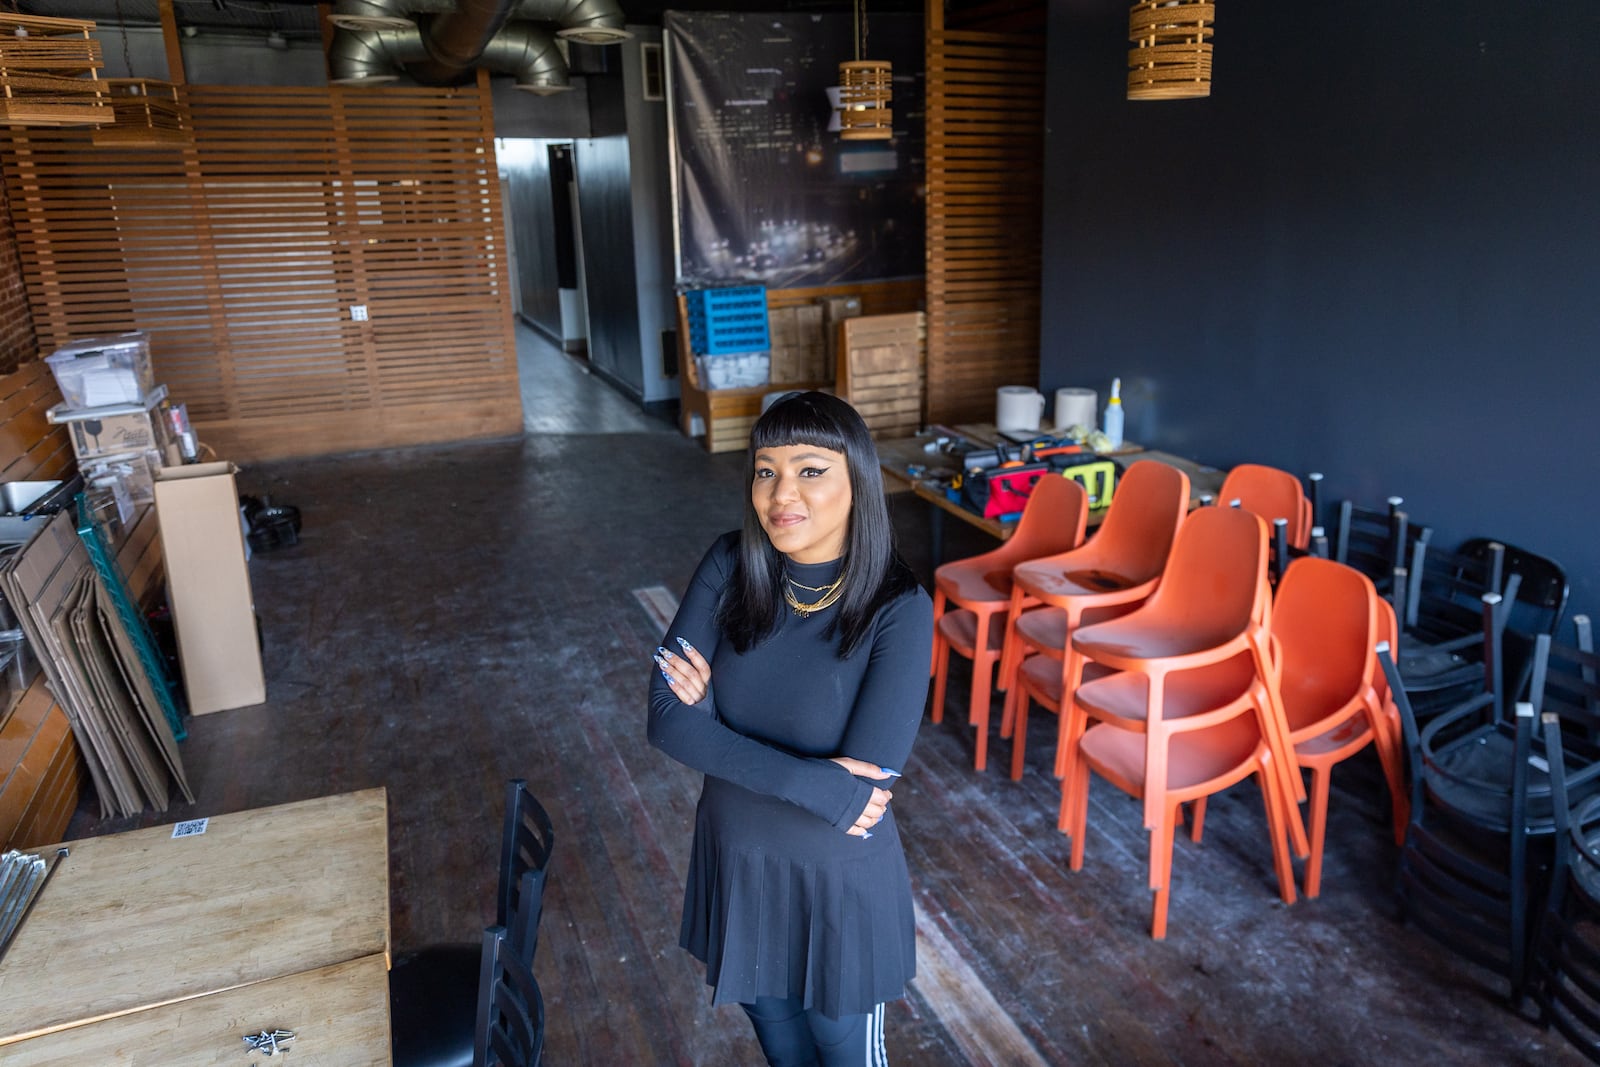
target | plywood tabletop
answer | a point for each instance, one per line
(135, 920)
(339, 1016)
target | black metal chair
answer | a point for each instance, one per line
(434, 992)
(510, 1029)
(1464, 876)
(1467, 874)
(1444, 629)
(1372, 541)
(1567, 953)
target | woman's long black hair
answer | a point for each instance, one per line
(873, 573)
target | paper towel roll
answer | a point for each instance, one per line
(1017, 407)
(1077, 407)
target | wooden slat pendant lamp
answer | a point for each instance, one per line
(865, 91)
(149, 113)
(1171, 54)
(49, 72)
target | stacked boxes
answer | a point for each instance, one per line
(799, 349)
(728, 335)
(116, 418)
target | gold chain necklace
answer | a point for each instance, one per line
(830, 593)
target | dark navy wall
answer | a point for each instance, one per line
(1374, 252)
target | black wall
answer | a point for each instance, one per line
(1373, 252)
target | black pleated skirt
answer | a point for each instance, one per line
(780, 904)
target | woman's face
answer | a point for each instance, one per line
(801, 494)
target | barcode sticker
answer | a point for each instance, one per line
(190, 828)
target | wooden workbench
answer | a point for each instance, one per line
(908, 466)
(143, 920)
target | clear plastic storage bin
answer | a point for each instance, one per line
(99, 371)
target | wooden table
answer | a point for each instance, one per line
(143, 940)
(899, 457)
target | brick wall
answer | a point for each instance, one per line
(17, 341)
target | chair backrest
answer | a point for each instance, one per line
(526, 841)
(510, 1025)
(1272, 494)
(1326, 621)
(1145, 513)
(1216, 576)
(1541, 600)
(1444, 589)
(1566, 681)
(1371, 540)
(1053, 520)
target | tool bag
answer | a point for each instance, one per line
(1001, 490)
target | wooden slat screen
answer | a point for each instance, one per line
(985, 179)
(243, 253)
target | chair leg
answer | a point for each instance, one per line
(1022, 700)
(1160, 871)
(938, 611)
(1385, 740)
(1011, 653)
(1275, 804)
(1074, 817)
(1071, 679)
(978, 703)
(1197, 819)
(1320, 778)
(941, 674)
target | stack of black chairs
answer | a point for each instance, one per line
(477, 1004)
(1479, 856)
(1568, 948)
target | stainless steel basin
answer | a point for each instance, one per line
(17, 497)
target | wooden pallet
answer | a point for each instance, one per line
(882, 362)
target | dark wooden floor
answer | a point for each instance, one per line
(456, 616)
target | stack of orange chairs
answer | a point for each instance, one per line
(983, 597)
(1110, 575)
(1185, 715)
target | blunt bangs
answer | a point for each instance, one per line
(814, 419)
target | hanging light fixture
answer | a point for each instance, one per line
(150, 113)
(865, 91)
(1171, 54)
(49, 72)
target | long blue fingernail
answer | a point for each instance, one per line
(866, 834)
(663, 652)
(686, 646)
(890, 771)
(667, 676)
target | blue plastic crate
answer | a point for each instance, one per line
(724, 321)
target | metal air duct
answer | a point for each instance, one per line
(371, 15)
(531, 55)
(584, 21)
(372, 57)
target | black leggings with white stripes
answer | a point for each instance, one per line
(791, 1036)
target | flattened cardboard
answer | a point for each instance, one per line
(208, 585)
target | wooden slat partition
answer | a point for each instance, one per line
(985, 144)
(243, 253)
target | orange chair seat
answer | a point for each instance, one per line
(1349, 736)
(1047, 579)
(968, 584)
(960, 628)
(1045, 629)
(1209, 758)
(1042, 676)
(1149, 636)
(1124, 697)
(1308, 701)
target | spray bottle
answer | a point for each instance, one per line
(1113, 418)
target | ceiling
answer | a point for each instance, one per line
(298, 18)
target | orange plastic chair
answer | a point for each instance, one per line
(981, 589)
(1109, 576)
(1272, 494)
(1172, 745)
(1325, 624)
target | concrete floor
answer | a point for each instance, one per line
(458, 615)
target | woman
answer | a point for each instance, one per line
(794, 677)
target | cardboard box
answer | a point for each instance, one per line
(117, 429)
(799, 349)
(835, 309)
(208, 585)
